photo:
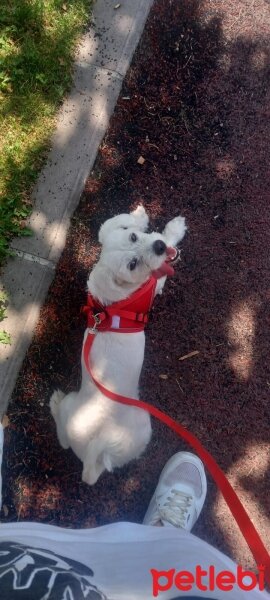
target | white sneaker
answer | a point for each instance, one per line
(180, 493)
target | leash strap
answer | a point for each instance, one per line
(247, 528)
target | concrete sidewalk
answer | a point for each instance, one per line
(102, 60)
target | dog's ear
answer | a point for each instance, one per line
(138, 219)
(123, 221)
(175, 231)
(141, 217)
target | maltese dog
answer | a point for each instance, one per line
(105, 434)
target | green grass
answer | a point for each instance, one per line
(37, 40)
(4, 336)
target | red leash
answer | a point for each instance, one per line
(247, 528)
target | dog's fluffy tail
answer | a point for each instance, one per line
(55, 400)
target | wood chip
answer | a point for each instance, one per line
(5, 421)
(64, 6)
(163, 376)
(5, 510)
(179, 385)
(189, 355)
(141, 160)
(117, 6)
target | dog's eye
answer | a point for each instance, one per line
(132, 265)
(133, 237)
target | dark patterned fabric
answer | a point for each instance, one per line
(37, 574)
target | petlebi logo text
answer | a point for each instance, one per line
(207, 580)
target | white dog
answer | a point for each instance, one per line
(105, 434)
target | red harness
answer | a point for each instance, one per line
(132, 314)
(127, 316)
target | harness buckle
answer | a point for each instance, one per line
(97, 321)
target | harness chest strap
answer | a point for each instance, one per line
(126, 316)
(245, 525)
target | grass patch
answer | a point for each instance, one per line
(4, 336)
(37, 40)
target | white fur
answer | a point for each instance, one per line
(105, 434)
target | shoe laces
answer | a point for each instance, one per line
(176, 508)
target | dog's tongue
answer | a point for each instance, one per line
(166, 268)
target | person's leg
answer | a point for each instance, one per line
(122, 561)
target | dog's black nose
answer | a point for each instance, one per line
(159, 247)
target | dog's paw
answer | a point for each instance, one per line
(55, 400)
(175, 231)
(142, 218)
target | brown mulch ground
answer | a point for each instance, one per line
(196, 105)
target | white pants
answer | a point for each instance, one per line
(120, 557)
